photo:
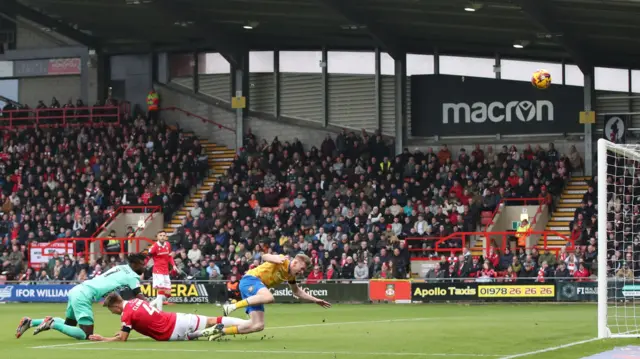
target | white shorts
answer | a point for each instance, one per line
(187, 324)
(162, 281)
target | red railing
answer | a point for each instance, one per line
(440, 244)
(204, 120)
(64, 117)
(40, 253)
(150, 210)
(524, 202)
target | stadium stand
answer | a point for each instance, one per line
(349, 204)
(64, 177)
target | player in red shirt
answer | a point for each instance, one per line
(140, 316)
(160, 252)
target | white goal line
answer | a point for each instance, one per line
(550, 349)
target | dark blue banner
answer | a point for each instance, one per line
(35, 293)
(463, 106)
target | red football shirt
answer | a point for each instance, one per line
(161, 257)
(140, 316)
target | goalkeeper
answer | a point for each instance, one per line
(79, 315)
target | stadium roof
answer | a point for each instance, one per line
(585, 32)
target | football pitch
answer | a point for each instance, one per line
(500, 331)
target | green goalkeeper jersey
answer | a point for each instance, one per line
(118, 278)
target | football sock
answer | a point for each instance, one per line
(36, 322)
(241, 304)
(73, 332)
(159, 301)
(228, 321)
(230, 331)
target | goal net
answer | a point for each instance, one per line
(618, 207)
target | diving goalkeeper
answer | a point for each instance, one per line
(79, 315)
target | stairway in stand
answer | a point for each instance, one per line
(220, 159)
(570, 200)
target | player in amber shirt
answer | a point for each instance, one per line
(254, 288)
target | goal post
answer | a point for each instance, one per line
(617, 316)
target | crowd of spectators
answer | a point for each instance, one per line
(623, 217)
(354, 207)
(65, 182)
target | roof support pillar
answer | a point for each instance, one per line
(325, 87)
(378, 89)
(588, 128)
(240, 85)
(400, 103)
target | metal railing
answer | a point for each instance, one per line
(87, 248)
(95, 116)
(518, 202)
(150, 210)
(442, 244)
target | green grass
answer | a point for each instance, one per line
(345, 331)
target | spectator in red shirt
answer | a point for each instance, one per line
(478, 154)
(581, 274)
(510, 276)
(543, 272)
(513, 179)
(444, 155)
(331, 271)
(146, 196)
(456, 189)
(493, 258)
(465, 197)
(487, 273)
(315, 276)
(453, 217)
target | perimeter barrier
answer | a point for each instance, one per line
(353, 291)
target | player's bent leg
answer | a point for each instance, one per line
(253, 325)
(59, 325)
(215, 326)
(261, 297)
(82, 312)
(87, 329)
(69, 315)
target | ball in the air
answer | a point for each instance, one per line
(541, 79)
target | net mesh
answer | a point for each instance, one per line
(622, 228)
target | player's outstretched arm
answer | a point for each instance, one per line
(272, 258)
(138, 293)
(298, 292)
(119, 337)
